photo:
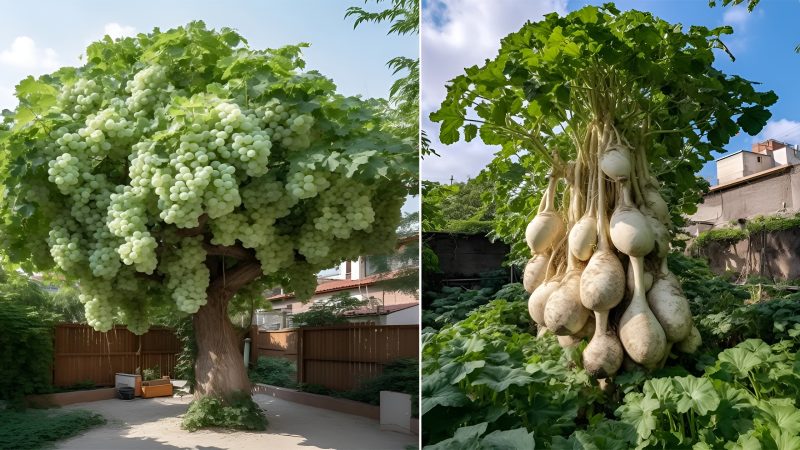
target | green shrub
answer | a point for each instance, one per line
(152, 373)
(239, 412)
(758, 224)
(184, 367)
(35, 428)
(274, 371)
(401, 375)
(318, 389)
(26, 352)
(469, 226)
(723, 235)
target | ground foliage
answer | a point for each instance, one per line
(488, 374)
(37, 428)
(239, 412)
(26, 339)
(274, 371)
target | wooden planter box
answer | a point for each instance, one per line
(157, 388)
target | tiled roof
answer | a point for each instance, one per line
(343, 285)
(388, 309)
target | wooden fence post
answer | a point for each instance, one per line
(301, 376)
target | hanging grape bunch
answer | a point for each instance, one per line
(603, 118)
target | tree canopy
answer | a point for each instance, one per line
(182, 161)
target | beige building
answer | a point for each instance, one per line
(763, 181)
(366, 279)
(763, 156)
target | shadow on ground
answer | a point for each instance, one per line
(154, 424)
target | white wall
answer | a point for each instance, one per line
(408, 316)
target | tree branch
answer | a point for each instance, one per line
(231, 281)
(237, 252)
(155, 276)
(194, 231)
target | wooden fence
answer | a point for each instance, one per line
(82, 353)
(338, 357)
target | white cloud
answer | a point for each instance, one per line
(25, 54)
(7, 98)
(784, 130)
(116, 31)
(736, 16)
(457, 34)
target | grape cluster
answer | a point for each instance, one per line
(79, 97)
(65, 172)
(96, 296)
(346, 207)
(302, 185)
(148, 88)
(187, 274)
(127, 220)
(66, 244)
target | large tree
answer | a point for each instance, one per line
(180, 166)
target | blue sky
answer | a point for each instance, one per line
(36, 40)
(763, 44)
(59, 31)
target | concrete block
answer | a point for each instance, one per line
(395, 411)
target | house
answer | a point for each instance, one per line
(371, 278)
(401, 314)
(762, 181)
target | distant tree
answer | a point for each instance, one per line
(328, 312)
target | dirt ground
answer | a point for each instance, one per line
(154, 424)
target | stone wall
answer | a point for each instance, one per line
(774, 254)
(466, 255)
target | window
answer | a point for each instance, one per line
(758, 158)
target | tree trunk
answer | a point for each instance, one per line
(219, 368)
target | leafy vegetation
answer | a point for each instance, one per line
(239, 411)
(755, 226)
(26, 349)
(151, 373)
(329, 311)
(38, 428)
(453, 304)
(274, 371)
(488, 373)
(403, 109)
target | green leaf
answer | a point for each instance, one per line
(638, 411)
(464, 438)
(437, 391)
(783, 416)
(470, 131)
(753, 119)
(697, 394)
(517, 438)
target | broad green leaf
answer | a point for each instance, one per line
(697, 394)
(499, 378)
(437, 391)
(518, 438)
(464, 438)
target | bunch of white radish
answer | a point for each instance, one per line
(612, 220)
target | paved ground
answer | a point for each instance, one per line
(154, 424)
